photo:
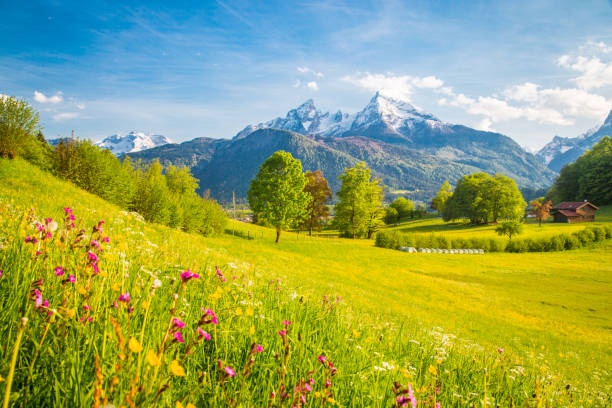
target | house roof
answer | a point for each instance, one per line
(569, 213)
(573, 205)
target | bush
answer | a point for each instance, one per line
(442, 242)
(608, 229)
(585, 237)
(517, 245)
(571, 242)
(599, 233)
(556, 243)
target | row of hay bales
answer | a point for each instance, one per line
(442, 251)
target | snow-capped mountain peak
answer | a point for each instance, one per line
(132, 142)
(382, 109)
(563, 150)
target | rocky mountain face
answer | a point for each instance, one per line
(564, 150)
(410, 150)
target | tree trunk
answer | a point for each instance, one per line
(310, 231)
(278, 231)
(540, 222)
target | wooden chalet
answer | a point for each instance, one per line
(571, 212)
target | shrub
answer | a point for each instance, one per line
(599, 233)
(608, 229)
(442, 242)
(571, 242)
(517, 245)
(585, 237)
(556, 243)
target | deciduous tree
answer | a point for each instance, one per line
(18, 126)
(445, 192)
(318, 189)
(540, 209)
(277, 194)
(403, 206)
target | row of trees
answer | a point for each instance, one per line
(166, 196)
(282, 196)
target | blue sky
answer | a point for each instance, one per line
(528, 69)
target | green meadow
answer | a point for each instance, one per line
(497, 329)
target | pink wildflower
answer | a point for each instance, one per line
(178, 337)
(92, 256)
(59, 271)
(125, 297)
(186, 275)
(0, 273)
(286, 323)
(94, 266)
(282, 333)
(500, 350)
(203, 334)
(213, 316)
(322, 359)
(95, 243)
(86, 307)
(272, 394)
(71, 279)
(259, 348)
(178, 323)
(229, 371)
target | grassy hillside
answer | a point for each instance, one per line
(429, 320)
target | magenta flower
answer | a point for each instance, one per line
(37, 298)
(500, 350)
(59, 271)
(94, 266)
(178, 337)
(229, 371)
(177, 323)
(92, 256)
(0, 273)
(71, 279)
(186, 275)
(272, 394)
(125, 297)
(105, 239)
(86, 307)
(286, 323)
(95, 243)
(322, 359)
(203, 334)
(213, 316)
(282, 333)
(259, 348)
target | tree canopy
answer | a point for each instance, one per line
(403, 206)
(588, 178)
(359, 210)
(318, 189)
(541, 209)
(276, 194)
(19, 125)
(482, 199)
(445, 192)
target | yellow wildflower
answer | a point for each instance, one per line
(82, 290)
(152, 359)
(177, 369)
(134, 345)
(116, 287)
(252, 330)
(433, 370)
(145, 304)
(178, 405)
(249, 312)
(356, 333)
(238, 311)
(190, 405)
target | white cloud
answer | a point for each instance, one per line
(527, 92)
(595, 73)
(42, 98)
(313, 85)
(306, 70)
(65, 116)
(485, 125)
(80, 106)
(297, 83)
(396, 86)
(494, 109)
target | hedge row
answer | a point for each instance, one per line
(561, 242)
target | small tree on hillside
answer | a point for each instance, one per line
(374, 211)
(18, 127)
(277, 194)
(403, 206)
(509, 229)
(541, 209)
(445, 192)
(318, 189)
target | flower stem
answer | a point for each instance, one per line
(9, 380)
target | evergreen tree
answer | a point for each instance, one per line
(277, 194)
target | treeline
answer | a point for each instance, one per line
(588, 178)
(282, 196)
(165, 196)
(560, 242)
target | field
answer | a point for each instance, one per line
(495, 329)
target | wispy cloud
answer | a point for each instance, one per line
(313, 85)
(397, 86)
(65, 116)
(306, 70)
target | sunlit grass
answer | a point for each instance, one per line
(549, 312)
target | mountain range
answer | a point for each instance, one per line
(564, 150)
(412, 151)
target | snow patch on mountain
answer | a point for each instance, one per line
(132, 142)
